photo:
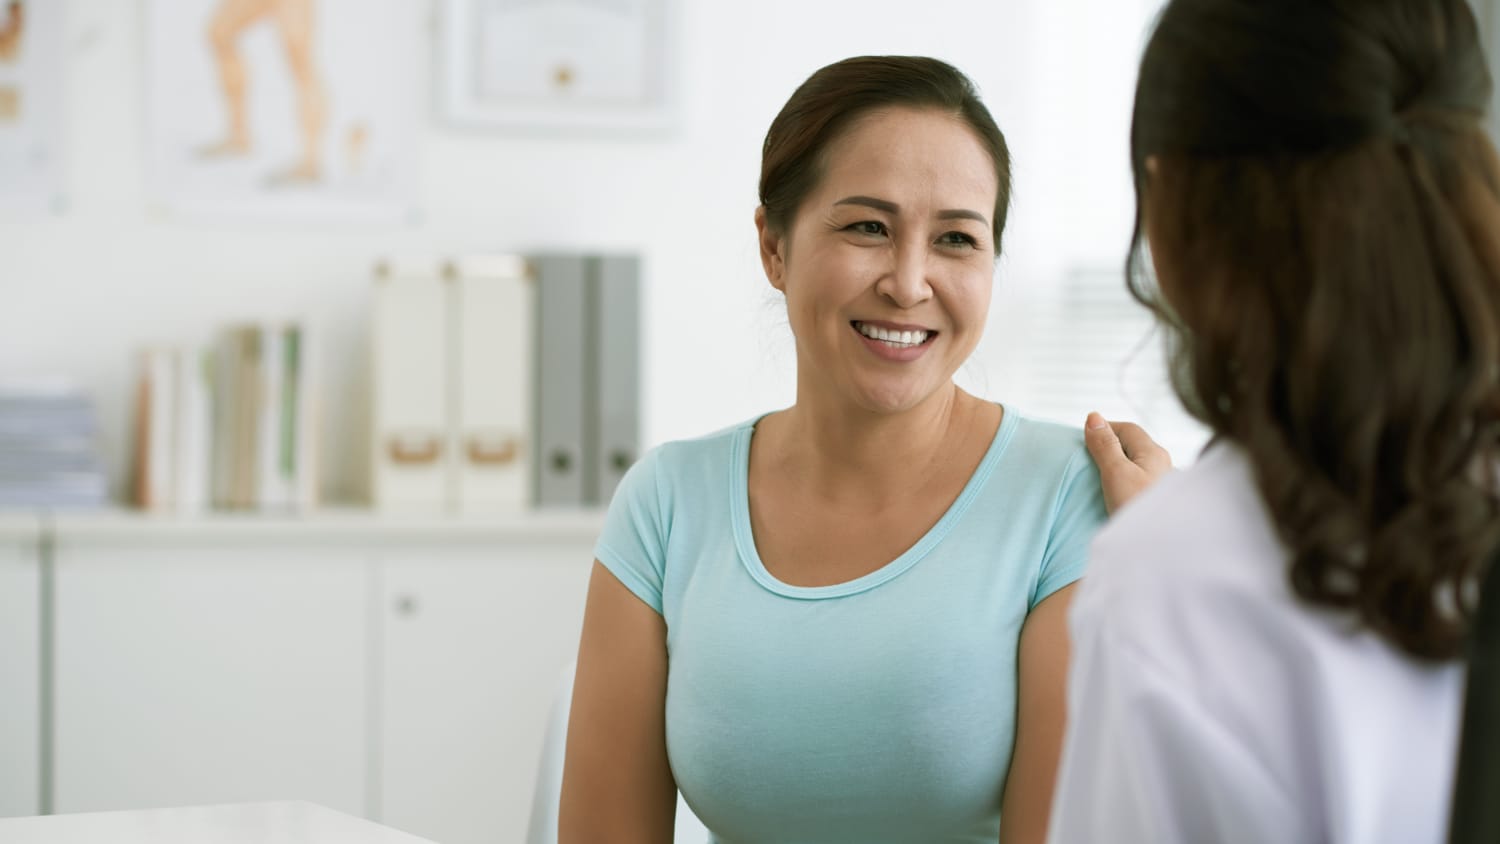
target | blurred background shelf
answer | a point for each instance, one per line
(330, 525)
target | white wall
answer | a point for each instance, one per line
(81, 291)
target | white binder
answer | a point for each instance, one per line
(410, 440)
(306, 418)
(270, 493)
(157, 433)
(493, 303)
(193, 415)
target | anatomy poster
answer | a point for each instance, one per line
(31, 70)
(284, 110)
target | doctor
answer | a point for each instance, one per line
(1266, 647)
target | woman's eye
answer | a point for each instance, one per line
(867, 227)
(958, 239)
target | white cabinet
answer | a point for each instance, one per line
(207, 664)
(475, 636)
(20, 666)
(399, 669)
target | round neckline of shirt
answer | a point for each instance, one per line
(744, 536)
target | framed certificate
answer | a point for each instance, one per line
(558, 64)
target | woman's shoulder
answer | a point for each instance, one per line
(1043, 435)
(1037, 447)
(689, 459)
(697, 447)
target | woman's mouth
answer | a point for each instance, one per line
(894, 338)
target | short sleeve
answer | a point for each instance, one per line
(1079, 513)
(634, 540)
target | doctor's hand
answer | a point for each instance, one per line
(1128, 459)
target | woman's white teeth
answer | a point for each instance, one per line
(894, 338)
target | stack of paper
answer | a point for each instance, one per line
(49, 454)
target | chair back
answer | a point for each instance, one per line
(547, 796)
(1475, 814)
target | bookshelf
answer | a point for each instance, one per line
(20, 526)
(233, 640)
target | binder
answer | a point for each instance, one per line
(156, 432)
(615, 330)
(302, 368)
(493, 310)
(193, 443)
(224, 422)
(508, 382)
(269, 492)
(561, 381)
(245, 406)
(410, 441)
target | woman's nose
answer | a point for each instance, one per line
(905, 282)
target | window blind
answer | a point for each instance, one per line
(1088, 345)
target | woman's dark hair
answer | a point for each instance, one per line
(833, 98)
(1321, 201)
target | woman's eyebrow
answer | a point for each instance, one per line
(961, 214)
(870, 202)
(893, 208)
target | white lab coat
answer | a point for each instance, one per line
(1207, 703)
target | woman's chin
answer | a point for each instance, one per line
(893, 400)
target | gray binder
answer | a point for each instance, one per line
(616, 335)
(561, 382)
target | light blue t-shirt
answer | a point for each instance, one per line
(877, 710)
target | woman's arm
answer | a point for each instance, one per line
(1041, 714)
(617, 785)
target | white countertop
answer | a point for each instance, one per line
(19, 525)
(291, 822)
(332, 525)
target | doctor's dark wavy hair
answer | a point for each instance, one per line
(834, 97)
(1322, 205)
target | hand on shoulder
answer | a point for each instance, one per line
(1129, 460)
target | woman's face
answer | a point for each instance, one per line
(889, 263)
(1157, 245)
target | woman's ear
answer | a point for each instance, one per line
(1158, 246)
(1152, 180)
(772, 250)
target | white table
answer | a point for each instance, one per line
(291, 822)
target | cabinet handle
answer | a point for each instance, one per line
(415, 449)
(406, 605)
(486, 451)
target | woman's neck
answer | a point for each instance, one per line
(844, 454)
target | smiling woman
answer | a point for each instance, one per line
(844, 620)
(889, 243)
